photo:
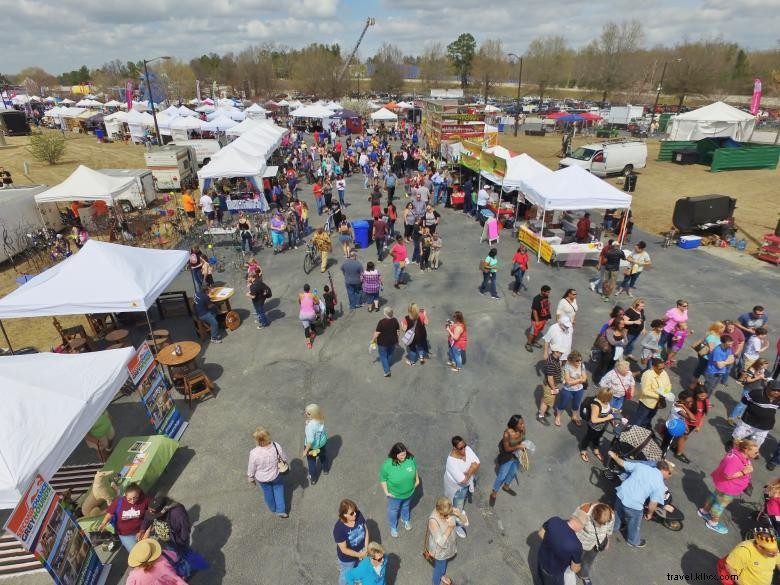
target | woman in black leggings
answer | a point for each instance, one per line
(600, 415)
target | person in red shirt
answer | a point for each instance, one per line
(519, 266)
(126, 513)
(399, 254)
(337, 152)
(318, 199)
(582, 236)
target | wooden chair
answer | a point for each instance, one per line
(202, 329)
(101, 323)
(196, 385)
(70, 333)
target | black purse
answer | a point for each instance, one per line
(600, 546)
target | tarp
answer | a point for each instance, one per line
(100, 278)
(573, 188)
(346, 114)
(383, 114)
(716, 120)
(84, 184)
(50, 401)
(522, 167)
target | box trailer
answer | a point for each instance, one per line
(172, 166)
(22, 216)
(205, 149)
(14, 123)
(141, 193)
(622, 115)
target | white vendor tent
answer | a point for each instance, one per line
(186, 123)
(84, 184)
(50, 401)
(185, 111)
(252, 145)
(114, 104)
(522, 167)
(218, 124)
(100, 278)
(717, 120)
(231, 162)
(312, 111)
(260, 126)
(383, 115)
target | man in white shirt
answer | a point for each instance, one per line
(483, 198)
(207, 206)
(559, 334)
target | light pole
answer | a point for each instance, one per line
(519, 84)
(658, 93)
(151, 97)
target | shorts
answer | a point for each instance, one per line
(190, 214)
(537, 327)
(343, 238)
(548, 397)
(211, 215)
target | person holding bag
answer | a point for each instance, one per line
(507, 462)
(415, 337)
(315, 439)
(440, 536)
(267, 464)
(598, 521)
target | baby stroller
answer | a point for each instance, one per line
(764, 518)
(639, 444)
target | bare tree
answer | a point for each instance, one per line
(545, 58)
(701, 67)
(256, 66)
(433, 65)
(388, 73)
(490, 65)
(315, 70)
(178, 78)
(613, 51)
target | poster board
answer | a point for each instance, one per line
(154, 390)
(470, 155)
(495, 165)
(48, 530)
(533, 241)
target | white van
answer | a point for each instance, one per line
(618, 157)
(205, 149)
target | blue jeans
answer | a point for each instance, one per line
(739, 409)
(632, 518)
(643, 416)
(246, 241)
(273, 494)
(385, 352)
(459, 499)
(518, 284)
(341, 197)
(439, 570)
(128, 541)
(437, 189)
(629, 281)
(371, 298)
(456, 355)
(775, 458)
(506, 473)
(567, 398)
(211, 319)
(197, 279)
(413, 352)
(345, 566)
(354, 292)
(320, 203)
(711, 382)
(630, 340)
(416, 252)
(398, 272)
(394, 506)
(311, 462)
(489, 280)
(260, 315)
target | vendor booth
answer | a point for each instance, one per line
(712, 121)
(569, 189)
(384, 115)
(232, 163)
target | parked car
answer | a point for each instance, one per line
(609, 158)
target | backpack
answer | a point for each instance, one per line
(585, 408)
(267, 292)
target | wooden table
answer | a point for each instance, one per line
(116, 335)
(222, 301)
(179, 365)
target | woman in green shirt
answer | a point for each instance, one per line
(398, 478)
(101, 436)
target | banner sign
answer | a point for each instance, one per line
(49, 531)
(533, 241)
(492, 164)
(755, 103)
(153, 388)
(464, 117)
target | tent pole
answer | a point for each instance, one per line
(151, 332)
(8, 341)
(541, 232)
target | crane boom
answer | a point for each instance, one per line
(369, 22)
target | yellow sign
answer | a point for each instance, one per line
(532, 240)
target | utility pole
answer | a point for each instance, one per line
(151, 97)
(519, 85)
(658, 93)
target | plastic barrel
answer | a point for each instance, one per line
(360, 228)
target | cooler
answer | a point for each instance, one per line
(689, 242)
(361, 227)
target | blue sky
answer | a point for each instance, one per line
(63, 35)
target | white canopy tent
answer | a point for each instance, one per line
(186, 123)
(218, 124)
(312, 111)
(231, 162)
(255, 109)
(251, 145)
(185, 111)
(101, 278)
(404, 106)
(570, 189)
(50, 401)
(384, 115)
(84, 184)
(114, 104)
(522, 167)
(262, 126)
(717, 120)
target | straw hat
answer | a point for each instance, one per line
(144, 551)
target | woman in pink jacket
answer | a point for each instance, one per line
(730, 478)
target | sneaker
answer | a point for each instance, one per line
(483, 293)
(283, 515)
(261, 326)
(460, 531)
(409, 363)
(387, 375)
(407, 525)
(592, 286)
(719, 528)
(216, 340)
(542, 420)
(702, 513)
(497, 298)
(641, 544)
(394, 533)
(629, 293)
(529, 348)
(682, 457)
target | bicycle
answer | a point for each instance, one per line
(310, 258)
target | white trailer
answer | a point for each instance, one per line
(622, 115)
(204, 148)
(21, 215)
(141, 193)
(171, 166)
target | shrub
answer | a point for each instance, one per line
(47, 147)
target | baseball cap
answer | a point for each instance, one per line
(557, 348)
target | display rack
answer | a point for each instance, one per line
(770, 249)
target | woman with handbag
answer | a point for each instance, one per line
(610, 346)
(598, 521)
(126, 514)
(511, 443)
(731, 478)
(415, 336)
(574, 380)
(150, 566)
(441, 538)
(621, 381)
(704, 348)
(267, 464)
(314, 442)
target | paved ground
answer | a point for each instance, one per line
(267, 377)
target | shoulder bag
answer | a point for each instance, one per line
(425, 552)
(408, 336)
(701, 348)
(281, 464)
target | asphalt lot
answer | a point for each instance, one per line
(267, 377)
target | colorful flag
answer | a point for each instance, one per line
(129, 94)
(755, 103)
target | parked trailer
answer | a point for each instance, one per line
(172, 166)
(141, 193)
(21, 214)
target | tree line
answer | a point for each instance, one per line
(617, 61)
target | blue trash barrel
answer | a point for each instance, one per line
(501, 127)
(360, 228)
(100, 134)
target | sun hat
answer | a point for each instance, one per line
(144, 551)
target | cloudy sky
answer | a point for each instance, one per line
(66, 34)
